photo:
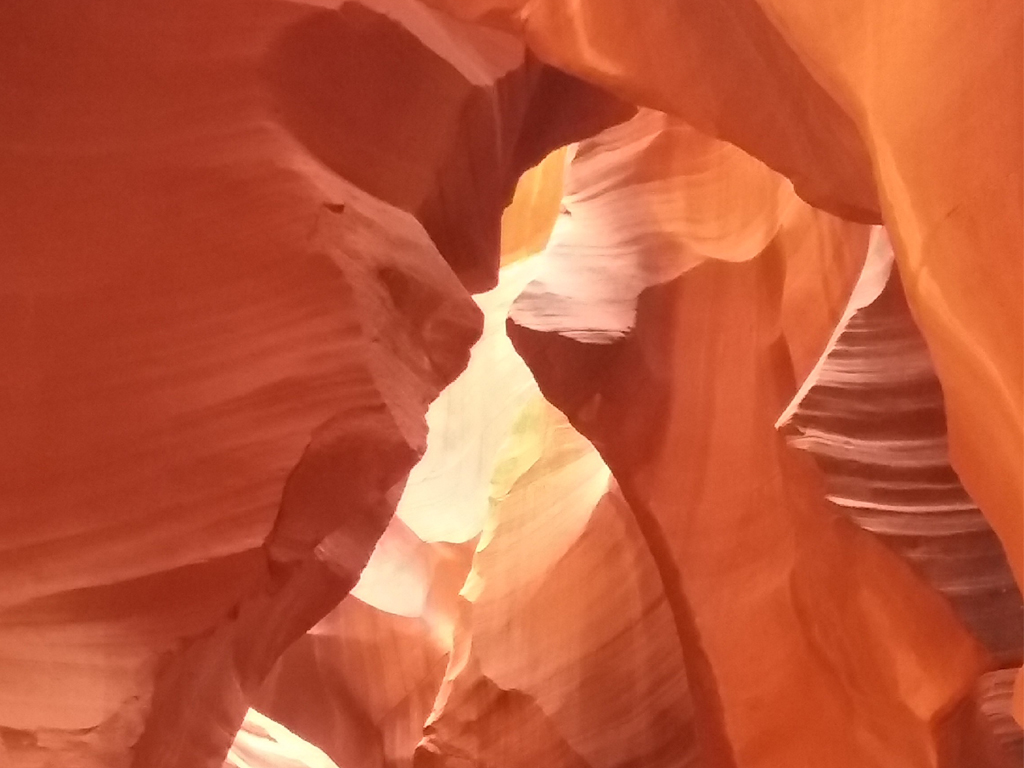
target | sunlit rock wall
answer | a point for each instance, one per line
(720, 467)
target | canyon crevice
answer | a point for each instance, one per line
(504, 384)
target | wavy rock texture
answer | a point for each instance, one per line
(721, 66)
(871, 414)
(994, 695)
(737, 520)
(276, 492)
(362, 683)
(923, 103)
(225, 331)
(596, 631)
(564, 686)
(564, 627)
(953, 206)
(561, 688)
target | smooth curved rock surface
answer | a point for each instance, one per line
(871, 413)
(275, 492)
(924, 104)
(363, 682)
(723, 67)
(724, 502)
(227, 331)
(564, 626)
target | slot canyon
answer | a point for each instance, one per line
(511, 384)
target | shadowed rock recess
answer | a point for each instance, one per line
(511, 384)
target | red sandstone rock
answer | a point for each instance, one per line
(953, 202)
(565, 629)
(932, 99)
(738, 521)
(226, 334)
(274, 495)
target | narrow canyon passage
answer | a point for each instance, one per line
(504, 384)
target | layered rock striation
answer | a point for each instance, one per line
(721, 467)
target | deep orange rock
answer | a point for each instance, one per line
(275, 492)
(227, 331)
(879, 82)
(933, 96)
(787, 598)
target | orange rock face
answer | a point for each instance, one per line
(856, 87)
(504, 384)
(741, 523)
